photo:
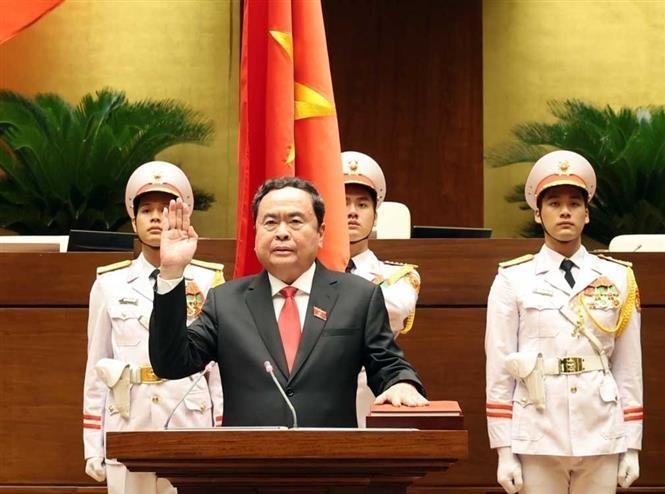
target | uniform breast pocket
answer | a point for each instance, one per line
(541, 318)
(602, 312)
(127, 327)
(198, 400)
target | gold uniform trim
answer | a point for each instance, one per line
(516, 261)
(629, 306)
(400, 273)
(113, 267)
(408, 323)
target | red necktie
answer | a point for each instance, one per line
(289, 324)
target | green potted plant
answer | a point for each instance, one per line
(64, 167)
(627, 150)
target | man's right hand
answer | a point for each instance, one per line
(178, 242)
(509, 472)
(95, 468)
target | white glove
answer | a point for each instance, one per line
(629, 468)
(509, 471)
(94, 467)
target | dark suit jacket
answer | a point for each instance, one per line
(238, 329)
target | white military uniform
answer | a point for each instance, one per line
(400, 284)
(120, 308)
(532, 310)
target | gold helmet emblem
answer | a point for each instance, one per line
(564, 168)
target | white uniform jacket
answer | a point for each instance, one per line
(531, 308)
(400, 294)
(119, 314)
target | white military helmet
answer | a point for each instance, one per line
(358, 168)
(157, 176)
(559, 168)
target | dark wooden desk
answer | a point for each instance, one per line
(269, 461)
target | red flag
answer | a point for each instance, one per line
(16, 15)
(288, 124)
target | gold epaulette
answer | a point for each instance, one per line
(628, 264)
(516, 261)
(400, 273)
(112, 267)
(217, 267)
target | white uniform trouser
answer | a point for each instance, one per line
(121, 481)
(364, 399)
(569, 474)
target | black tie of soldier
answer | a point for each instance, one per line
(567, 267)
(153, 278)
(351, 266)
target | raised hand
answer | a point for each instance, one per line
(178, 242)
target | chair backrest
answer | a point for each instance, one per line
(640, 242)
(393, 220)
(33, 243)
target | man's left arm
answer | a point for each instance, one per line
(389, 375)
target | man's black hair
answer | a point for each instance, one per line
(296, 183)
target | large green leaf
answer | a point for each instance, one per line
(66, 166)
(626, 148)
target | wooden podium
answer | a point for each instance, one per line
(335, 461)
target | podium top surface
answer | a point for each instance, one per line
(262, 443)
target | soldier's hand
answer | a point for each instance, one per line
(629, 468)
(402, 393)
(509, 471)
(95, 468)
(178, 242)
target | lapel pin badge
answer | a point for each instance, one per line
(320, 313)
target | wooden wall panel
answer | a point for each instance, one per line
(407, 77)
(51, 279)
(43, 355)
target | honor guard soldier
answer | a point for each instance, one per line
(121, 392)
(365, 187)
(564, 374)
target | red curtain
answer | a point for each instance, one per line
(288, 124)
(16, 15)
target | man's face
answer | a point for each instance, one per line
(287, 234)
(147, 222)
(360, 212)
(563, 213)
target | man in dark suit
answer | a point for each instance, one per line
(253, 320)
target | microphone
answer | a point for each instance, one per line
(268, 368)
(196, 381)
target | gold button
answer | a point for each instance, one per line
(203, 407)
(155, 398)
(573, 389)
(523, 400)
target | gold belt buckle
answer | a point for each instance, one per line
(570, 365)
(148, 375)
